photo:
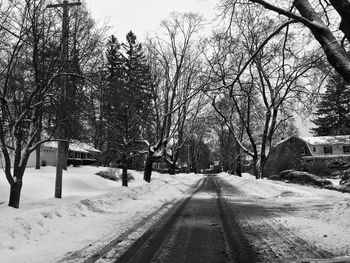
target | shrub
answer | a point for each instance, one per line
(110, 174)
(339, 163)
(345, 188)
(113, 174)
(113, 164)
(301, 178)
(345, 176)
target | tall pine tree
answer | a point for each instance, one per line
(333, 111)
(135, 106)
(110, 96)
(129, 99)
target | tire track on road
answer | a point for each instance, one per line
(112, 247)
(274, 241)
(241, 250)
(144, 249)
(201, 229)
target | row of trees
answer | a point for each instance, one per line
(151, 96)
(262, 71)
(281, 69)
(328, 23)
(71, 84)
(175, 91)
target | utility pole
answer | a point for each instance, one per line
(63, 143)
(188, 159)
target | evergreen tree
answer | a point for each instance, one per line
(110, 97)
(135, 103)
(137, 78)
(333, 111)
(129, 99)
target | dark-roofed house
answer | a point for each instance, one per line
(312, 154)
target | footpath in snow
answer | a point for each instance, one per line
(92, 212)
(319, 216)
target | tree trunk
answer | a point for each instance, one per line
(37, 158)
(335, 53)
(148, 169)
(15, 194)
(239, 164)
(37, 150)
(125, 172)
(194, 167)
(262, 166)
(172, 168)
(256, 169)
(172, 165)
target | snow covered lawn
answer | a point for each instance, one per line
(93, 211)
(319, 216)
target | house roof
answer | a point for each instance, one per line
(74, 146)
(327, 140)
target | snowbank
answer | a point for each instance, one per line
(319, 216)
(92, 209)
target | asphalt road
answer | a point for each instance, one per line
(218, 223)
(197, 230)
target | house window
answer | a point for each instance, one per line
(302, 150)
(346, 148)
(314, 149)
(327, 149)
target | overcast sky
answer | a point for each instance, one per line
(142, 16)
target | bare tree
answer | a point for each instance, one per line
(199, 132)
(278, 74)
(186, 116)
(29, 68)
(23, 95)
(173, 66)
(321, 18)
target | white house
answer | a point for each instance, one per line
(327, 147)
(79, 153)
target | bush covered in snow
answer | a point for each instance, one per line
(301, 178)
(339, 163)
(344, 188)
(110, 174)
(345, 177)
(113, 174)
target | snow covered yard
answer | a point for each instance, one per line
(321, 217)
(93, 211)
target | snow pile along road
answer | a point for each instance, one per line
(321, 217)
(93, 211)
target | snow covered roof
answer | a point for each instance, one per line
(327, 140)
(74, 146)
(85, 146)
